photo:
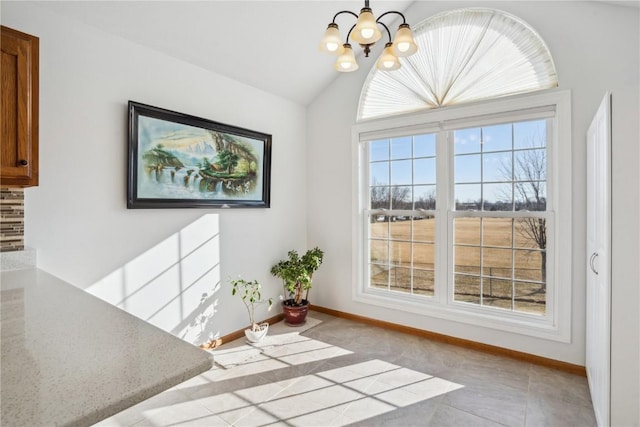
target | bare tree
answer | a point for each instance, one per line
(380, 197)
(427, 202)
(531, 169)
(529, 179)
(386, 197)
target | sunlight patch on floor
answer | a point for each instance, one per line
(332, 397)
(274, 352)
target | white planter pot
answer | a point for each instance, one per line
(257, 334)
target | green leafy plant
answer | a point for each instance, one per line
(296, 273)
(250, 292)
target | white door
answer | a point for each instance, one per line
(598, 356)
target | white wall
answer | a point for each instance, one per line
(625, 257)
(78, 222)
(595, 48)
(157, 264)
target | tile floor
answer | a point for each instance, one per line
(338, 372)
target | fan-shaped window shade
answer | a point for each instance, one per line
(463, 55)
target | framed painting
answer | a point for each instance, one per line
(181, 161)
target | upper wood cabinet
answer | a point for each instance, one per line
(19, 109)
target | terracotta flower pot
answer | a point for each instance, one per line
(295, 316)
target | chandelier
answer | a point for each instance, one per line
(366, 33)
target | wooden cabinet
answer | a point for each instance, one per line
(19, 109)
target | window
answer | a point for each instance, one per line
(499, 219)
(457, 211)
(401, 220)
(464, 212)
(464, 55)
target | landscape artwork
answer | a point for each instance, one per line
(176, 160)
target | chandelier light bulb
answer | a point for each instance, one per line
(388, 61)
(403, 44)
(366, 33)
(366, 30)
(347, 61)
(402, 47)
(331, 42)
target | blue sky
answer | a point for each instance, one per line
(482, 155)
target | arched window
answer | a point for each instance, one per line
(465, 213)
(464, 55)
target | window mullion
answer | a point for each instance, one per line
(513, 264)
(482, 201)
(550, 186)
(443, 201)
(513, 221)
(388, 223)
(481, 262)
(413, 206)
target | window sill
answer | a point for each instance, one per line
(518, 324)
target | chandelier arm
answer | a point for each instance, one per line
(386, 28)
(341, 12)
(404, 20)
(349, 33)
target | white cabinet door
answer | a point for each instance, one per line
(598, 310)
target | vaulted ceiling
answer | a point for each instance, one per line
(268, 44)
(271, 45)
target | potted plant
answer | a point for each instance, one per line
(251, 294)
(296, 273)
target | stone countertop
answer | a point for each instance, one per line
(69, 358)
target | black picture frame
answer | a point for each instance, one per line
(176, 160)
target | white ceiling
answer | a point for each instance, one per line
(268, 44)
(271, 45)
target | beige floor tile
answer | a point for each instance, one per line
(364, 409)
(325, 417)
(447, 416)
(189, 412)
(337, 372)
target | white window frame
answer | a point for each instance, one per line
(556, 324)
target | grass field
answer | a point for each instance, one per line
(496, 264)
